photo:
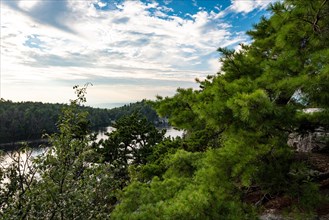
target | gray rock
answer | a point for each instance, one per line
(271, 214)
(310, 142)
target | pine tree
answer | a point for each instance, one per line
(250, 107)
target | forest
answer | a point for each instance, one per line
(234, 161)
(23, 121)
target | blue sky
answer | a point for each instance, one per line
(128, 50)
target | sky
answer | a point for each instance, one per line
(128, 50)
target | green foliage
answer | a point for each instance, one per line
(238, 123)
(143, 108)
(190, 189)
(17, 178)
(30, 120)
(130, 144)
(178, 110)
(156, 163)
(71, 187)
(62, 183)
(77, 178)
(133, 137)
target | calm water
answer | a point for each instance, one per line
(6, 159)
(172, 132)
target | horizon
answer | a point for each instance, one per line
(128, 50)
(109, 105)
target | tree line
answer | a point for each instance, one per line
(143, 107)
(21, 121)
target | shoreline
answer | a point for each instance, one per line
(17, 144)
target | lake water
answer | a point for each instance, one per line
(7, 157)
(172, 132)
(24, 157)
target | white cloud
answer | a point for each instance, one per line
(101, 4)
(131, 43)
(167, 1)
(27, 5)
(215, 65)
(246, 6)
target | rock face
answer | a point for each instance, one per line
(310, 142)
(313, 148)
(325, 217)
(271, 215)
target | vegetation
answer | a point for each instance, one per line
(238, 124)
(130, 144)
(76, 178)
(21, 121)
(234, 158)
(142, 108)
(30, 120)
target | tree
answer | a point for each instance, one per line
(23, 121)
(74, 179)
(143, 108)
(17, 177)
(63, 183)
(250, 107)
(131, 143)
(71, 186)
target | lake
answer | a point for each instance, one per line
(172, 132)
(6, 159)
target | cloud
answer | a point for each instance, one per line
(45, 12)
(246, 6)
(101, 4)
(214, 64)
(74, 41)
(166, 2)
(121, 20)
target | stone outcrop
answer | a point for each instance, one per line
(310, 142)
(271, 215)
(313, 148)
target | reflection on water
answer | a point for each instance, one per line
(172, 132)
(102, 133)
(8, 156)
